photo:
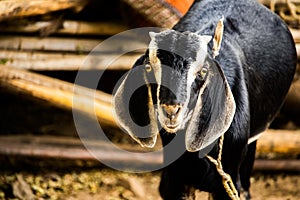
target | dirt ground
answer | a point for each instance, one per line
(89, 181)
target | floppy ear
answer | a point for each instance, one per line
(134, 108)
(213, 113)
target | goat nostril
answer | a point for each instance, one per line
(171, 111)
(171, 117)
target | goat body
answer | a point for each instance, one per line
(256, 64)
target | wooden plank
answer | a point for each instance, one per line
(78, 45)
(58, 93)
(54, 61)
(69, 27)
(10, 9)
(47, 44)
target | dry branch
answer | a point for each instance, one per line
(68, 27)
(59, 93)
(10, 9)
(53, 61)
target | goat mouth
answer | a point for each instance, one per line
(171, 125)
(171, 128)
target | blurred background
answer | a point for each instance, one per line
(43, 43)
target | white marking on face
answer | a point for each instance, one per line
(156, 64)
(154, 60)
(196, 66)
(198, 63)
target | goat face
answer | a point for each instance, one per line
(184, 89)
(175, 58)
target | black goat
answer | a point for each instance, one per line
(203, 88)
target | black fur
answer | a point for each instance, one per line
(258, 58)
(178, 63)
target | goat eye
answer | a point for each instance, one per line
(148, 68)
(203, 72)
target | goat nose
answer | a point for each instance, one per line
(171, 111)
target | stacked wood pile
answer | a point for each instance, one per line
(39, 37)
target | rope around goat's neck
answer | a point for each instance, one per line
(226, 178)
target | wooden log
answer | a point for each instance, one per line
(277, 165)
(91, 28)
(72, 148)
(279, 142)
(79, 45)
(58, 93)
(69, 27)
(11, 9)
(48, 44)
(42, 61)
